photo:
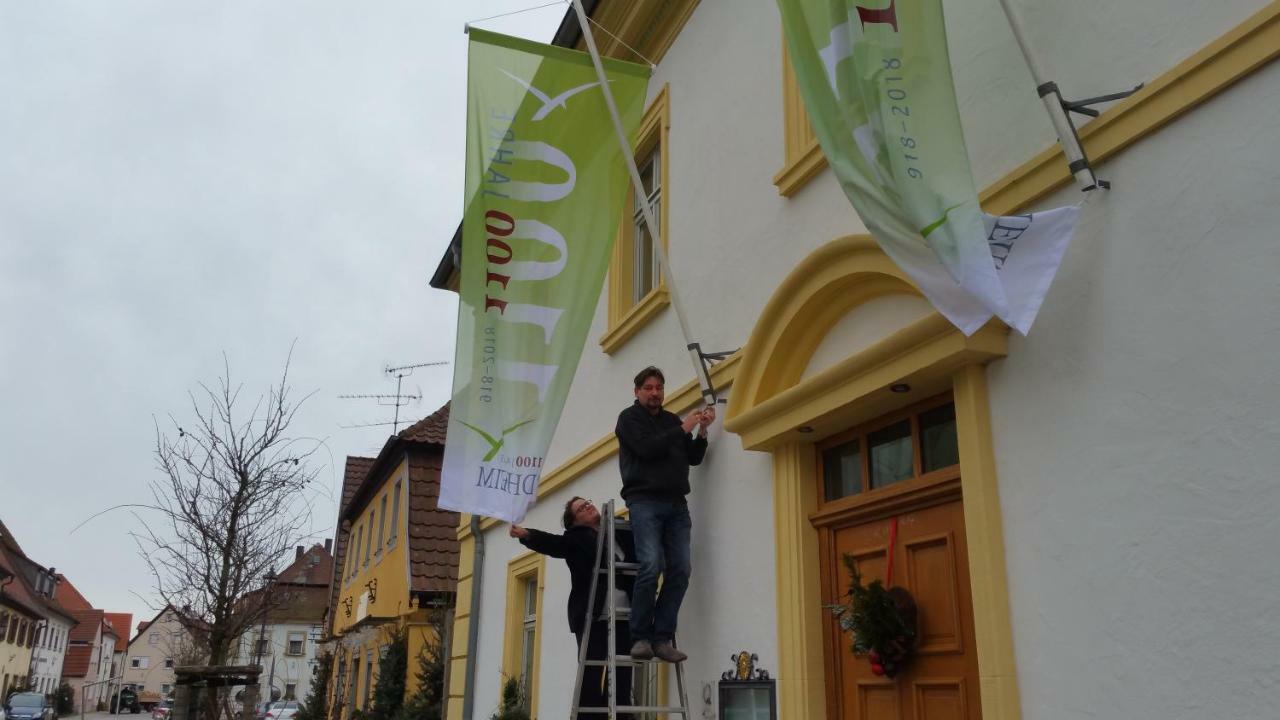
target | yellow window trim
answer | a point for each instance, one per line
(1219, 65)
(802, 157)
(626, 317)
(519, 570)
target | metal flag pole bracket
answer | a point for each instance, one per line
(1060, 110)
(705, 362)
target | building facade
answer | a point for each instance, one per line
(20, 615)
(156, 648)
(396, 562)
(27, 593)
(1065, 507)
(285, 644)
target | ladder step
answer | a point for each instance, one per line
(624, 525)
(637, 709)
(622, 614)
(621, 660)
(629, 568)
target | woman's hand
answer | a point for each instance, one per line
(518, 532)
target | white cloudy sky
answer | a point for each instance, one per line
(180, 179)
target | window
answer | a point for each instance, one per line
(165, 689)
(355, 559)
(168, 662)
(636, 290)
(142, 662)
(290, 691)
(382, 523)
(368, 547)
(297, 642)
(525, 575)
(351, 685)
(368, 678)
(395, 513)
(153, 638)
(904, 446)
(261, 646)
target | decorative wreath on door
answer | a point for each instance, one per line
(880, 620)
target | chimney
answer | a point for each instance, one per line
(328, 546)
(298, 555)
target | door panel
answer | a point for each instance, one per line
(930, 561)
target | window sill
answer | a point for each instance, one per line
(797, 173)
(634, 319)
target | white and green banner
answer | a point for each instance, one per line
(876, 80)
(545, 183)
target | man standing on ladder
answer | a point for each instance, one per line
(655, 450)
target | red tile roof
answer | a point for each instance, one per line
(16, 593)
(431, 429)
(76, 664)
(121, 623)
(89, 624)
(313, 567)
(433, 543)
(68, 596)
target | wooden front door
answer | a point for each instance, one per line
(901, 471)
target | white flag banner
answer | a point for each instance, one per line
(877, 85)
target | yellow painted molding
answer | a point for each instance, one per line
(636, 318)
(649, 26)
(802, 155)
(461, 629)
(801, 668)
(520, 568)
(798, 172)
(1219, 65)
(984, 534)
(770, 402)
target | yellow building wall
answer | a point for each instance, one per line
(380, 586)
(15, 658)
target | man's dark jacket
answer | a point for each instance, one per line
(654, 454)
(577, 547)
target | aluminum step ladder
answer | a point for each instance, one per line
(606, 551)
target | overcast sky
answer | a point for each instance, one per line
(184, 179)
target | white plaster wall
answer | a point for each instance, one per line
(1137, 437)
(48, 656)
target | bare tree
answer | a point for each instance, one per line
(230, 504)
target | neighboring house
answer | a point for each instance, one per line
(122, 623)
(21, 613)
(50, 637)
(87, 667)
(396, 561)
(1080, 514)
(287, 650)
(159, 645)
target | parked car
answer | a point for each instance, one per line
(29, 706)
(284, 710)
(161, 711)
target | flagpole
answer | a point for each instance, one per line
(695, 352)
(1077, 160)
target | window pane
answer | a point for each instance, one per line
(747, 703)
(890, 454)
(842, 470)
(643, 279)
(939, 446)
(530, 598)
(526, 666)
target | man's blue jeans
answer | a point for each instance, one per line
(661, 531)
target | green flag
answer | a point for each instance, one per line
(876, 80)
(545, 183)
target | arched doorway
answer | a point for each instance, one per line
(797, 412)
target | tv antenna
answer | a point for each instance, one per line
(397, 400)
